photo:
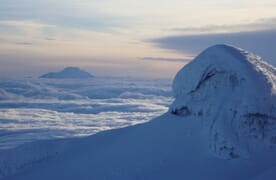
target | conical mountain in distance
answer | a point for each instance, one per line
(68, 73)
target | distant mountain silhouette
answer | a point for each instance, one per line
(68, 73)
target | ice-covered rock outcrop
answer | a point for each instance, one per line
(233, 92)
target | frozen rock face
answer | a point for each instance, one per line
(68, 73)
(233, 92)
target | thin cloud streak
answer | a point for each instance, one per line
(50, 39)
(24, 43)
(186, 59)
(258, 25)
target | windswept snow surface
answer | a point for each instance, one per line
(35, 109)
(220, 126)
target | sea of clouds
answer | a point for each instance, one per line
(35, 109)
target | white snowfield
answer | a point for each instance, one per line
(220, 126)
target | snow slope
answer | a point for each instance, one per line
(68, 72)
(177, 144)
(169, 147)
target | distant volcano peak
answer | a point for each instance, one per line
(68, 73)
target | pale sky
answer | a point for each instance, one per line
(152, 38)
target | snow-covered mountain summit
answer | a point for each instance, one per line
(234, 93)
(68, 72)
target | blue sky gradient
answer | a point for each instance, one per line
(125, 38)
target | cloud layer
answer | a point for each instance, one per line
(34, 109)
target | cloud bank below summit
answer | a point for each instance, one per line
(35, 109)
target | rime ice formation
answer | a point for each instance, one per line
(68, 72)
(234, 93)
